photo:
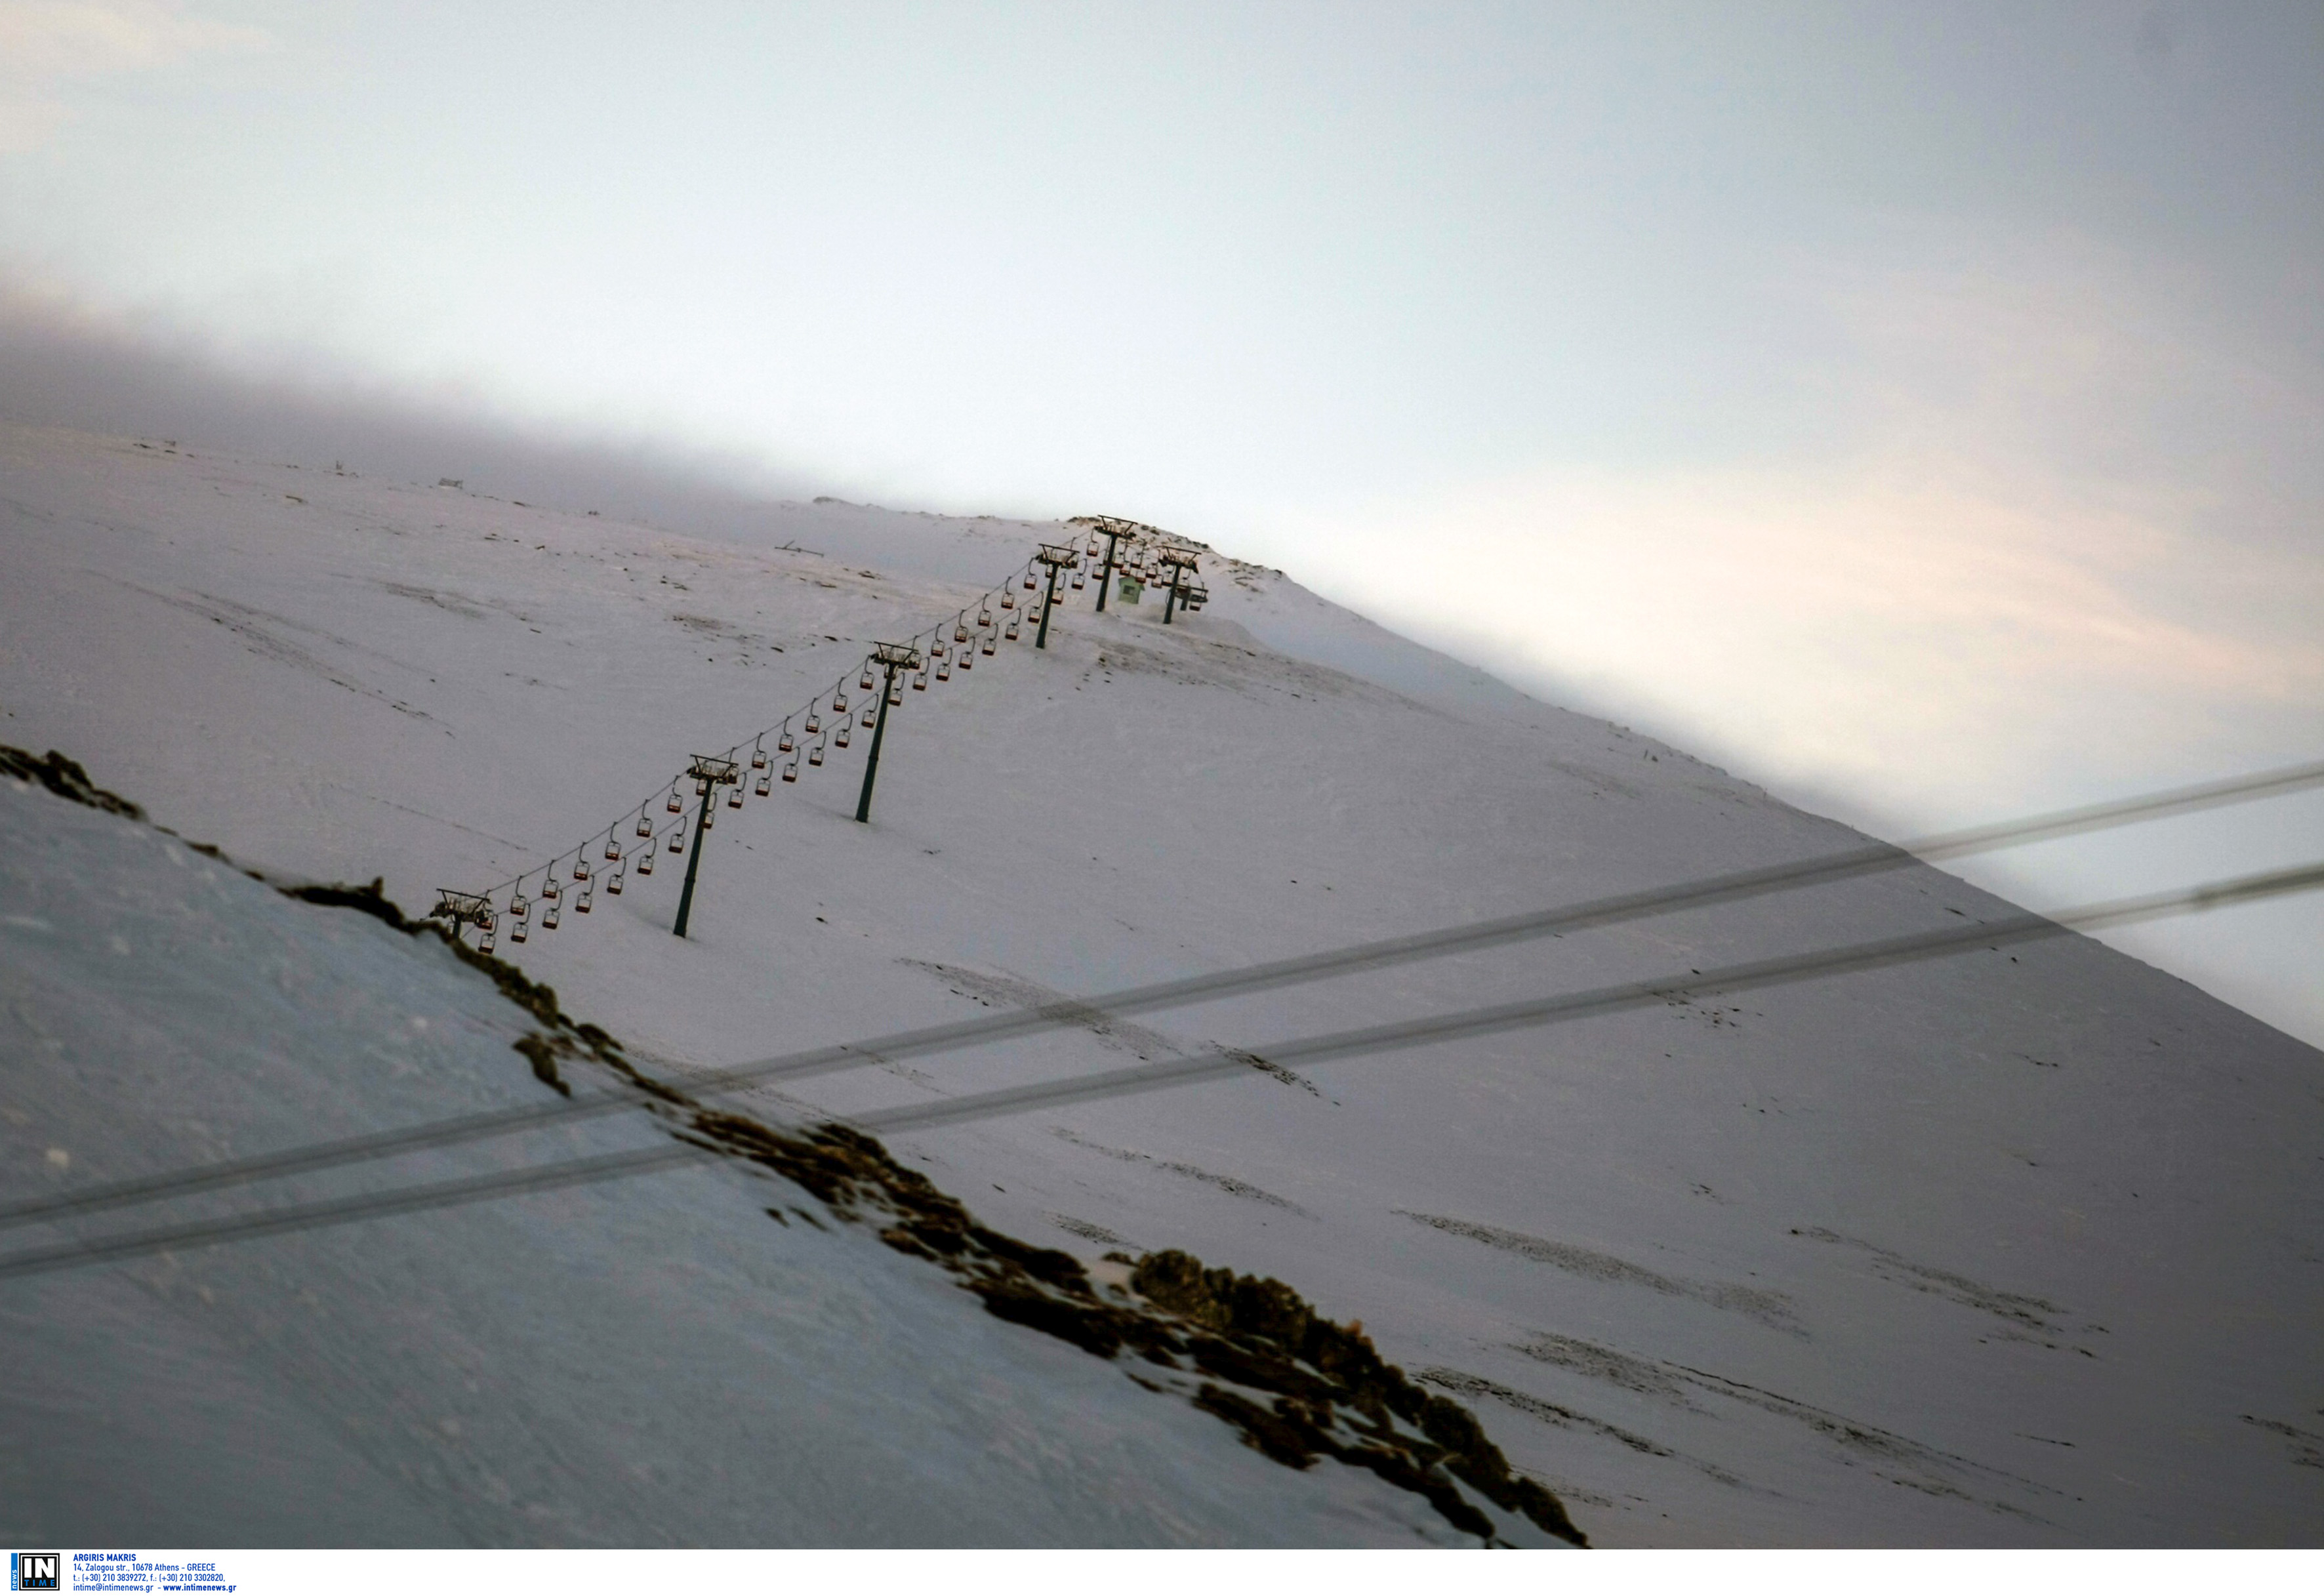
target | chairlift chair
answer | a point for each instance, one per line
(895, 689)
(675, 806)
(676, 838)
(734, 799)
(548, 921)
(613, 848)
(1012, 630)
(960, 635)
(1029, 583)
(813, 725)
(645, 826)
(614, 883)
(486, 944)
(920, 682)
(870, 715)
(520, 907)
(581, 904)
(984, 615)
(866, 683)
(790, 770)
(967, 658)
(758, 759)
(1006, 601)
(645, 862)
(786, 745)
(840, 736)
(1080, 581)
(988, 642)
(815, 754)
(839, 703)
(943, 670)
(580, 869)
(550, 890)
(764, 786)
(516, 932)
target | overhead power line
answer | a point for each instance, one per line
(1730, 887)
(1336, 1044)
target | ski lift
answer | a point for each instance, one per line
(581, 904)
(701, 788)
(840, 736)
(645, 862)
(967, 658)
(1092, 548)
(548, 921)
(580, 869)
(550, 890)
(839, 703)
(709, 815)
(790, 771)
(786, 745)
(988, 642)
(759, 758)
(486, 944)
(764, 787)
(645, 826)
(516, 932)
(614, 883)
(674, 805)
(613, 848)
(960, 635)
(815, 754)
(870, 715)
(919, 683)
(984, 615)
(676, 839)
(940, 650)
(1029, 583)
(1006, 601)
(813, 725)
(943, 670)
(734, 799)
(520, 905)
(1080, 581)
(1012, 632)
(866, 683)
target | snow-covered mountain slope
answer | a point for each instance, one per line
(684, 1357)
(2020, 1246)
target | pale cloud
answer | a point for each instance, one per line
(48, 47)
(2008, 575)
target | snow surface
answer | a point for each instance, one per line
(2010, 1248)
(646, 1362)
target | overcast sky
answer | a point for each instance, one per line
(1920, 408)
